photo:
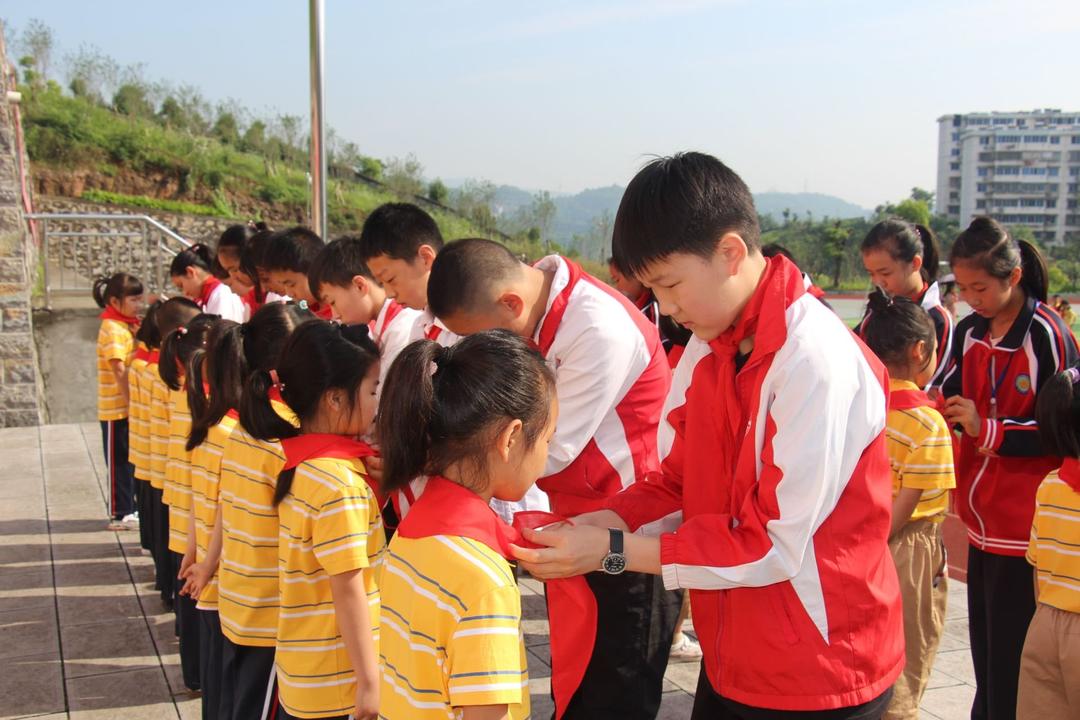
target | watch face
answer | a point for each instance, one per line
(614, 564)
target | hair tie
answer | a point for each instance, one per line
(302, 304)
(182, 330)
(276, 381)
(1074, 375)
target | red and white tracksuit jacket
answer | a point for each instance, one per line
(998, 473)
(794, 593)
(611, 378)
(392, 330)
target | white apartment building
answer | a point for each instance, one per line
(1021, 168)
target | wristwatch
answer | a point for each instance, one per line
(614, 562)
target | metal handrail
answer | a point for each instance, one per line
(66, 251)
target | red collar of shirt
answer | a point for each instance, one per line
(446, 508)
(549, 326)
(111, 313)
(322, 445)
(208, 288)
(1070, 473)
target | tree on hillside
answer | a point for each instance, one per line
(37, 43)
(542, 213)
(923, 196)
(437, 192)
(131, 99)
(835, 248)
(474, 200)
(914, 211)
(254, 139)
(226, 129)
(404, 176)
(91, 74)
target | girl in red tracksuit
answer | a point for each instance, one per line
(1004, 353)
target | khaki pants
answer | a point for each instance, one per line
(919, 553)
(1050, 666)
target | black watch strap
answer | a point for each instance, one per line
(616, 540)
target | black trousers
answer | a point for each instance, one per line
(159, 513)
(114, 441)
(248, 688)
(187, 628)
(142, 504)
(210, 646)
(1001, 603)
(635, 622)
(282, 715)
(710, 705)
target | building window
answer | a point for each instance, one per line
(954, 167)
(985, 140)
(1009, 138)
(1055, 140)
(955, 152)
(1051, 203)
(955, 136)
(1036, 138)
(980, 187)
(980, 204)
(1075, 140)
(1052, 171)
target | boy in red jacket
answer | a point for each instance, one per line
(773, 444)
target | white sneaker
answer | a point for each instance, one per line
(685, 649)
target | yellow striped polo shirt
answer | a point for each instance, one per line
(138, 423)
(177, 491)
(248, 571)
(921, 455)
(158, 425)
(1055, 543)
(205, 477)
(114, 342)
(450, 632)
(330, 524)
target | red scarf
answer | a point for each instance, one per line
(251, 299)
(324, 312)
(909, 399)
(1070, 473)
(816, 291)
(111, 313)
(208, 288)
(155, 357)
(446, 508)
(764, 319)
(393, 309)
(142, 353)
(327, 445)
(433, 332)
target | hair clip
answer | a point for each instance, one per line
(1074, 374)
(302, 304)
(182, 330)
(275, 380)
(433, 367)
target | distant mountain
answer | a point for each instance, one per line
(577, 213)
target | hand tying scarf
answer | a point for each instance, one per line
(327, 445)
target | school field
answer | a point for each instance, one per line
(83, 634)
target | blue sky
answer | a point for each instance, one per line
(832, 96)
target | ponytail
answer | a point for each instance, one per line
(225, 370)
(1036, 277)
(180, 345)
(893, 325)
(986, 244)
(1057, 411)
(118, 286)
(440, 406)
(904, 241)
(148, 333)
(167, 364)
(257, 415)
(197, 255)
(196, 395)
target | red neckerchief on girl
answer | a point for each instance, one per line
(392, 308)
(324, 312)
(208, 288)
(111, 313)
(155, 357)
(909, 399)
(433, 332)
(142, 353)
(643, 300)
(917, 299)
(327, 445)
(764, 319)
(251, 299)
(1070, 473)
(446, 508)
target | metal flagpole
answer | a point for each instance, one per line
(317, 22)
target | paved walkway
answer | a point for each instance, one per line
(83, 634)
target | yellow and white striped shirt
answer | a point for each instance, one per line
(138, 420)
(177, 491)
(330, 524)
(1055, 543)
(921, 456)
(158, 416)
(248, 571)
(114, 342)
(450, 633)
(205, 480)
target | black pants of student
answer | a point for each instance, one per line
(635, 622)
(163, 577)
(1001, 603)
(710, 705)
(142, 503)
(187, 628)
(210, 647)
(248, 689)
(283, 715)
(114, 440)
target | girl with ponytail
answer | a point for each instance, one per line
(177, 350)
(191, 272)
(902, 259)
(1005, 354)
(332, 536)
(241, 365)
(139, 422)
(476, 418)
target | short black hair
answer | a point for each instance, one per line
(397, 230)
(464, 272)
(337, 264)
(293, 249)
(682, 204)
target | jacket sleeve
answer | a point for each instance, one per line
(659, 494)
(952, 378)
(943, 332)
(822, 417)
(1055, 349)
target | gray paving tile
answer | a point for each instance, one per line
(950, 703)
(130, 694)
(31, 685)
(93, 649)
(96, 603)
(28, 631)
